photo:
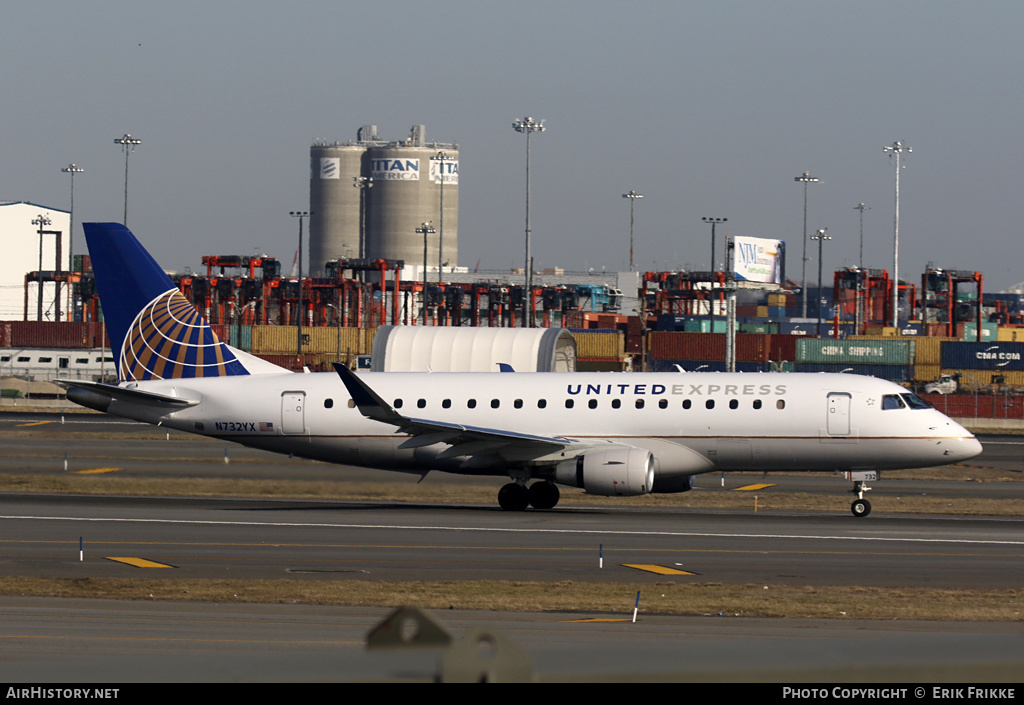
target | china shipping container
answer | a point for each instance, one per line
(853, 351)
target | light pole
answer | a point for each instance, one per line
(362, 183)
(72, 169)
(426, 229)
(711, 300)
(896, 149)
(42, 221)
(632, 196)
(820, 237)
(714, 222)
(805, 179)
(128, 143)
(443, 160)
(528, 126)
(861, 207)
(860, 275)
(301, 215)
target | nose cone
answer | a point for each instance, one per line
(964, 448)
(960, 444)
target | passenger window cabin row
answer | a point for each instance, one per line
(571, 403)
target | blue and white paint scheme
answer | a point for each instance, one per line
(609, 433)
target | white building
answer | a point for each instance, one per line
(21, 255)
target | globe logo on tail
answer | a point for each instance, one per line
(169, 340)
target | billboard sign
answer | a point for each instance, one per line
(759, 260)
(395, 169)
(441, 169)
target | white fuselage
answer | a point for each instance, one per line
(690, 422)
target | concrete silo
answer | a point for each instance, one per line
(407, 191)
(410, 179)
(334, 223)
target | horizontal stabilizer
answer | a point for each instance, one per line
(97, 395)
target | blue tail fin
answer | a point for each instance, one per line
(155, 331)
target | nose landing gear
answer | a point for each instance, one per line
(860, 506)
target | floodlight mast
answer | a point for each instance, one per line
(425, 229)
(128, 143)
(896, 149)
(632, 196)
(805, 179)
(301, 215)
(72, 169)
(821, 236)
(528, 125)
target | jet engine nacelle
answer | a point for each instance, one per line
(617, 472)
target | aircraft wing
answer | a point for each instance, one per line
(464, 440)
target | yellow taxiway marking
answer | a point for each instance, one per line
(94, 471)
(659, 569)
(747, 488)
(138, 562)
(34, 423)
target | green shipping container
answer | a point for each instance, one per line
(989, 332)
(855, 352)
(702, 325)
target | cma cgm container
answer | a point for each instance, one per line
(855, 352)
(983, 356)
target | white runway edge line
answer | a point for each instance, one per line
(532, 530)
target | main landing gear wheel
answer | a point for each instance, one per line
(543, 495)
(514, 497)
(860, 507)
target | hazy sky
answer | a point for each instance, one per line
(706, 108)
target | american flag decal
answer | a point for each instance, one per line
(266, 426)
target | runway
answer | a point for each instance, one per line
(81, 537)
(207, 538)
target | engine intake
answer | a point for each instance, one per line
(621, 472)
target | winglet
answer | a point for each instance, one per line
(367, 401)
(505, 367)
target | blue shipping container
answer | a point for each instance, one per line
(956, 355)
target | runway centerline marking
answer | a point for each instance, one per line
(530, 530)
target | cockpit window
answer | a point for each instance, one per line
(892, 401)
(915, 402)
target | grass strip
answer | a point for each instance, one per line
(607, 599)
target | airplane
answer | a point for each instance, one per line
(610, 433)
